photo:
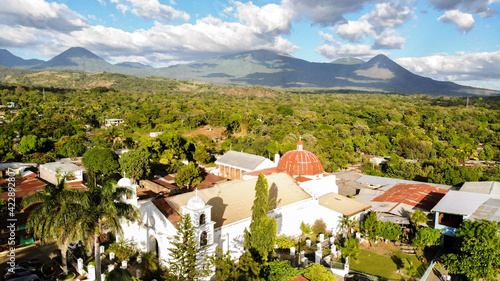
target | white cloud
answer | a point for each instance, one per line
(464, 21)
(151, 10)
(388, 15)
(122, 8)
(462, 67)
(328, 37)
(389, 40)
(208, 37)
(41, 15)
(19, 37)
(364, 52)
(269, 18)
(323, 12)
(479, 7)
(353, 31)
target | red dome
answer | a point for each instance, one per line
(300, 163)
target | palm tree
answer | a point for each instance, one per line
(418, 218)
(149, 262)
(54, 215)
(104, 210)
(348, 224)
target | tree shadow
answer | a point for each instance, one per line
(397, 261)
(273, 197)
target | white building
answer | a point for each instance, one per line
(234, 164)
(64, 167)
(221, 213)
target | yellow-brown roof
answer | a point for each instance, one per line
(232, 201)
(346, 206)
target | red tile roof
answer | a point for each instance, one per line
(300, 163)
(167, 210)
(422, 196)
(164, 183)
(209, 181)
(266, 172)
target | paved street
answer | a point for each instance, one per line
(33, 251)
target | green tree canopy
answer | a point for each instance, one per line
(73, 146)
(31, 143)
(183, 254)
(55, 215)
(370, 225)
(426, 236)
(135, 164)
(477, 251)
(418, 218)
(261, 237)
(389, 230)
(317, 272)
(101, 161)
(281, 271)
(103, 206)
(188, 174)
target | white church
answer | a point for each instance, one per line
(301, 190)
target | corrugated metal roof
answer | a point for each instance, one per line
(382, 181)
(244, 161)
(489, 210)
(460, 202)
(485, 187)
(422, 196)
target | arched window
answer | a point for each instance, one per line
(203, 238)
(202, 219)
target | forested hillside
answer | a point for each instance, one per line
(436, 132)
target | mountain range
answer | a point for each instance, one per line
(262, 67)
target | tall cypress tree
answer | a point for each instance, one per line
(184, 259)
(261, 238)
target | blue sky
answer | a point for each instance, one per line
(449, 40)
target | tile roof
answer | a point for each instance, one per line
(232, 201)
(244, 161)
(265, 172)
(422, 196)
(209, 181)
(346, 206)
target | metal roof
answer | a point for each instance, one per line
(485, 187)
(489, 210)
(242, 160)
(422, 196)
(382, 181)
(460, 202)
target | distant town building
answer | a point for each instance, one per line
(113, 122)
(155, 134)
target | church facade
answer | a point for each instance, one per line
(221, 213)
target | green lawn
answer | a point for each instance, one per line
(385, 266)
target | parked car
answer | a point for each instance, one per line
(17, 271)
(357, 276)
(74, 245)
(31, 277)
